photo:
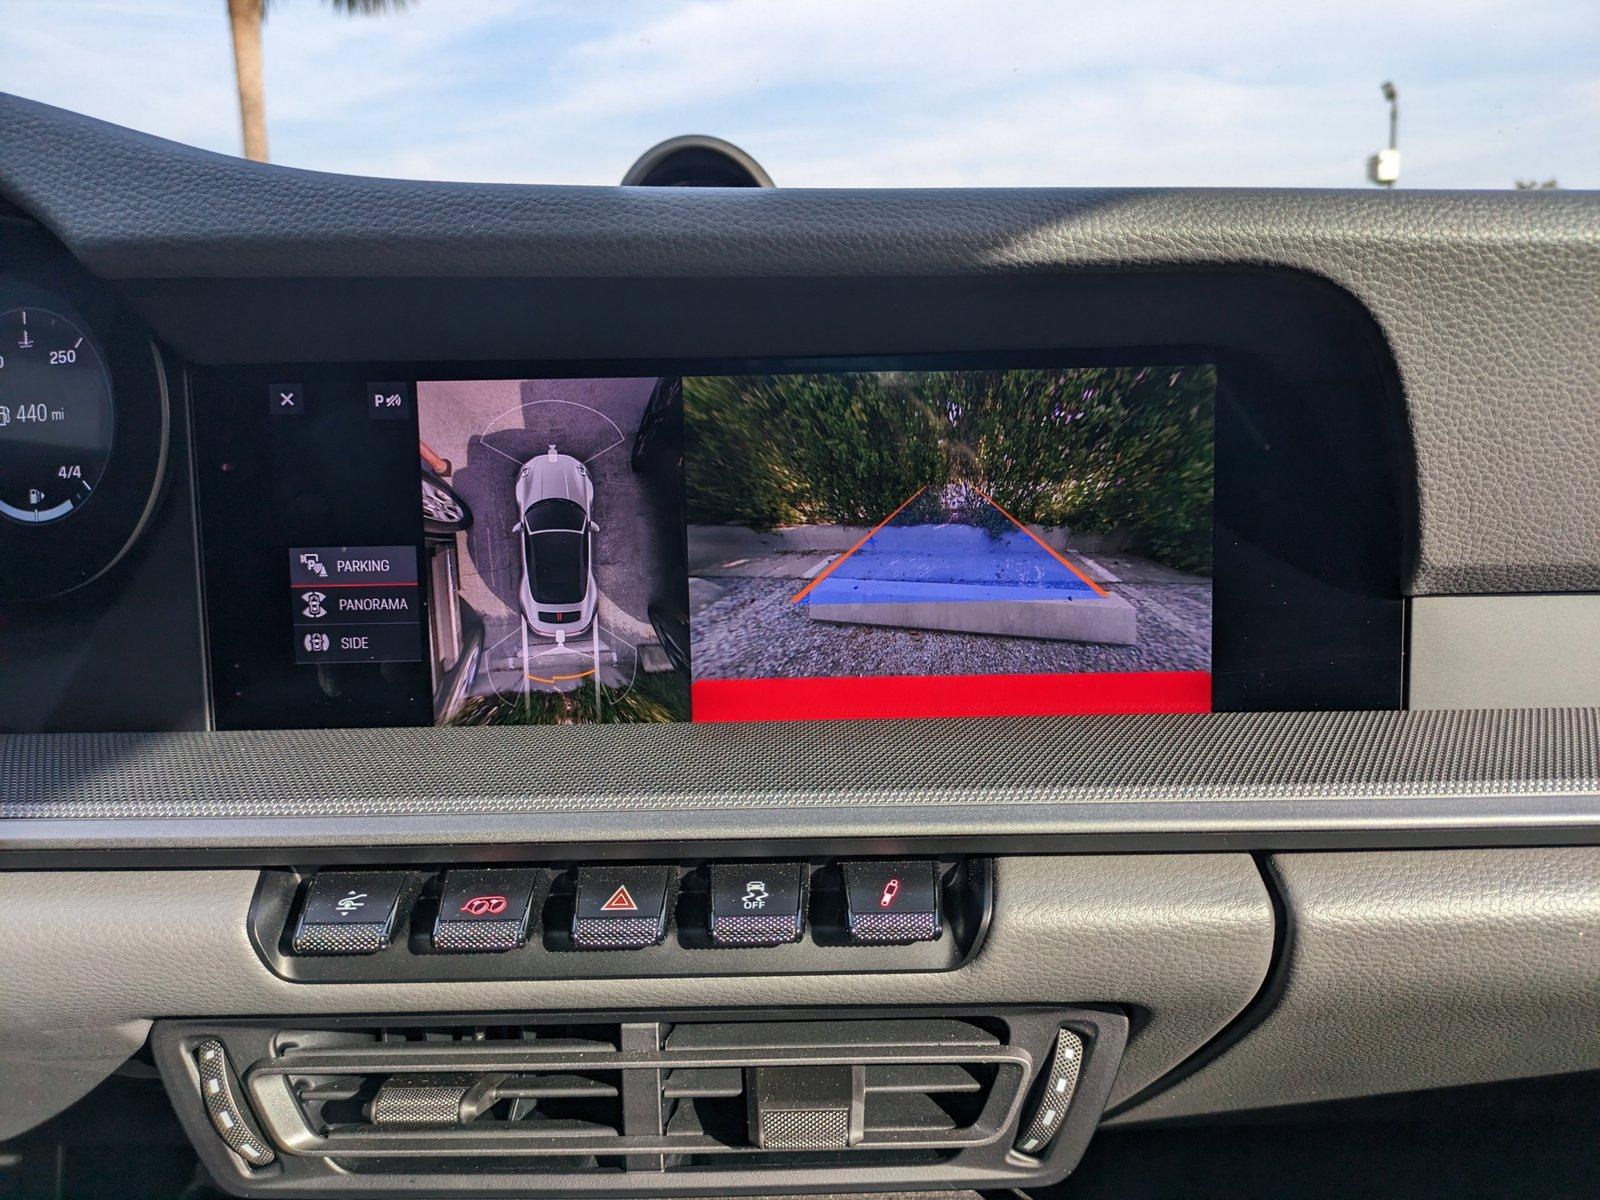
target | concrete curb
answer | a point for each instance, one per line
(1106, 619)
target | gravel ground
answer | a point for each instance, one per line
(746, 628)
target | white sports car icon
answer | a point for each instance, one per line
(555, 496)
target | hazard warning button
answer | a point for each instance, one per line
(621, 907)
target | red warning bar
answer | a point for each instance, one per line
(897, 696)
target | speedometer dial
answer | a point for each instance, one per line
(56, 416)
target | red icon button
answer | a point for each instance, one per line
(484, 906)
(621, 901)
(890, 891)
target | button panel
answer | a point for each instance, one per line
(628, 920)
(355, 604)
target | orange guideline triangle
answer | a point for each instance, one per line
(621, 901)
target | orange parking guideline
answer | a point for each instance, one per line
(1045, 546)
(866, 537)
(561, 678)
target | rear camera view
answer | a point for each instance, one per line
(552, 517)
(961, 543)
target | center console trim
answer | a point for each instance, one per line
(1234, 781)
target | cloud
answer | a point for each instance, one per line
(158, 67)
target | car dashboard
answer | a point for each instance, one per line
(520, 690)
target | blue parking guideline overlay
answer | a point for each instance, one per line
(954, 562)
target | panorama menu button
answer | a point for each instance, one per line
(380, 605)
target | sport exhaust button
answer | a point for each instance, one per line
(756, 904)
(484, 911)
(892, 901)
(621, 908)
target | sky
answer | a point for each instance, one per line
(856, 93)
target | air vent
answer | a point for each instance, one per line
(566, 1106)
(805, 1087)
(365, 1096)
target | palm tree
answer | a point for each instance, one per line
(245, 17)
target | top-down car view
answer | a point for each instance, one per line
(731, 599)
(554, 494)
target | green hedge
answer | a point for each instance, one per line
(1100, 449)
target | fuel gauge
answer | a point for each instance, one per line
(56, 416)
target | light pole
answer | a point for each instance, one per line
(1383, 168)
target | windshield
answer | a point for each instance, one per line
(553, 514)
(1490, 94)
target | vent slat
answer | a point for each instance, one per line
(581, 1039)
(331, 1087)
(756, 1036)
(687, 1083)
(711, 1122)
(562, 1127)
(685, 1122)
(553, 1087)
(922, 1078)
(397, 1056)
(906, 1113)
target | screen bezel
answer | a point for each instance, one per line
(1288, 634)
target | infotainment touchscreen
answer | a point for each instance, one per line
(714, 547)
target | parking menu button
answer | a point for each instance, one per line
(371, 566)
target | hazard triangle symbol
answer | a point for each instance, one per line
(620, 901)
